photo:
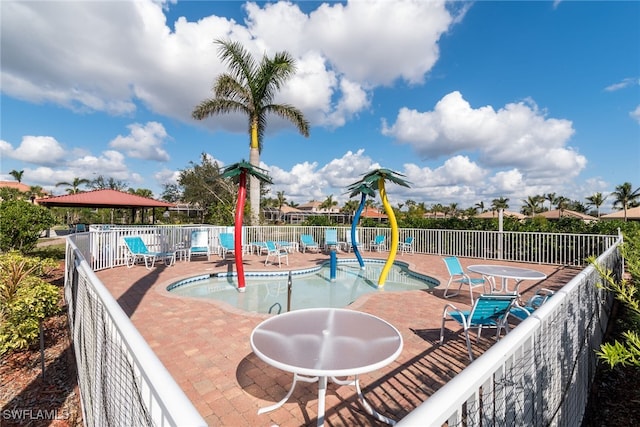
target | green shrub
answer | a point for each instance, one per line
(627, 351)
(21, 224)
(25, 299)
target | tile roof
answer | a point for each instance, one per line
(104, 199)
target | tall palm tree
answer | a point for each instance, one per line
(551, 198)
(597, 200)
(530, 206)
(376, 180)
(328, 203)
(250, 88)
(625, 197)
(500, 203)
(17, 175)
(479, 207)
(363, 189)
(241, 170)
(74, 186)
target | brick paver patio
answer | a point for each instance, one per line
(205, 344)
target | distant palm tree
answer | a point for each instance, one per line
(500, 203)
(479, 207)
(250, 88)
(281, 202)
(596, 200)
(74, 186)
(328, 203)
(530, 206)
(551, 197)
(625, 197)
(17, 175)
(35, 191)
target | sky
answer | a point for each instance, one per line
(471, 101)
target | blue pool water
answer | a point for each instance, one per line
(266, 292)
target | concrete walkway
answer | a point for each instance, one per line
(205, 344)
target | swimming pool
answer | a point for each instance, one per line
(267, 292)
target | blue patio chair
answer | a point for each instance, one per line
(199, 244)
(378, 244)
(349, 244)
(307, 242)
(275, 251)
(227, 244)
(488, 311)
(330, 239)
(137, 250)
(521, 312)
(406, 246)
(459, 276)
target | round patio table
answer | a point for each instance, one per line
(505, 272)
(318, 344)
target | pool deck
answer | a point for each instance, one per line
(205, 344)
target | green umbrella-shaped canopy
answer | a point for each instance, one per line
(372, 178)
(237, 169)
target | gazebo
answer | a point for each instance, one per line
(109, 199)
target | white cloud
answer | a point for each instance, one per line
(635, 114)
(143, 142)
(516, 135)
(630, 81)
(38, 150)
(107, 69)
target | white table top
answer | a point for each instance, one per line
(326, 342)
(507, 272)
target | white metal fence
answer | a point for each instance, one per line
(104, 246)
(540, 373)
(537, 375)
(121, 380)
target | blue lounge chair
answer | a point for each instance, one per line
(199, 244)
(307, 242)
(521, 312)
(406, 246)
(275, 251)
(227, 244)
(378, 244)
(330, 239)
(137, 250)
(459, 276)
(488, 311)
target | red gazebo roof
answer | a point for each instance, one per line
(103, 199)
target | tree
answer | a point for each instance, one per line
(530, 206)
(479, 207)
(204, 187)
(551, 198)
(597, 200)
(376, 181)
(21, 224)
(328, 203)
(250, 88)
(281, 202)
(500, 203)
(102, 183)
(241, 170)
(17, 175)
(624, 197)
(74, 186)
(171, 193)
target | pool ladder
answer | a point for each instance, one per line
(277, 304)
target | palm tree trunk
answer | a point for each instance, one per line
(254, 183)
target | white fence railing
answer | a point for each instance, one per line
(104, 247)
(540, 373)
(121, 380)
